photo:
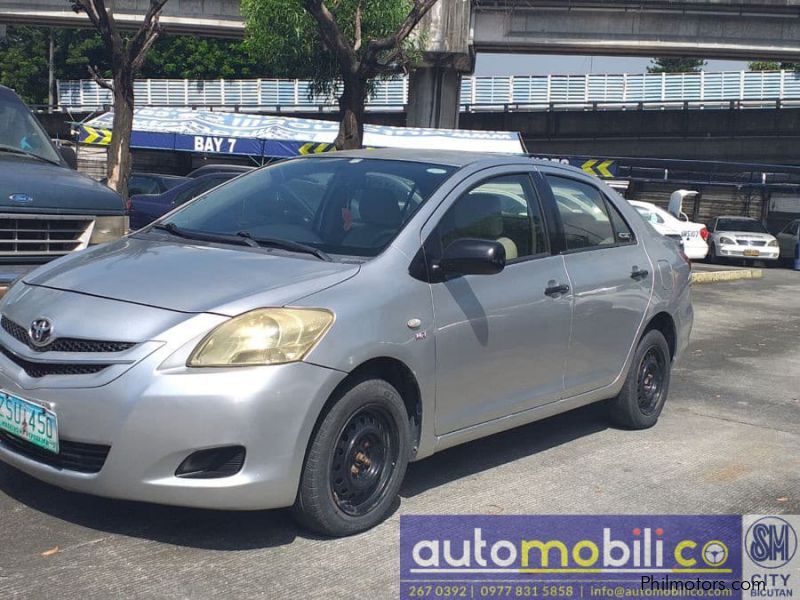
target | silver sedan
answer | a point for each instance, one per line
(296, 336)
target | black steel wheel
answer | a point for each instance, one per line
(366, 454)
(650, 381)
(642, 397)
(356, 460)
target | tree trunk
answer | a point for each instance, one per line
(351, 111)
(119, 152)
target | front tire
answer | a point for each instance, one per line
(356, 462)
(712, 254)
(642, 398)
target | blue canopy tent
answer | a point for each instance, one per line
(187, 130)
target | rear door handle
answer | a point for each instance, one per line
(556, 290)
(638, 273)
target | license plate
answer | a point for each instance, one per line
(31, 422)
(751, 253)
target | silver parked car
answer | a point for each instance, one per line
(295, 336)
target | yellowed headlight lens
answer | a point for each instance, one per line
(268, 336)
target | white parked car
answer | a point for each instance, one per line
(741, 237)
(692, 235)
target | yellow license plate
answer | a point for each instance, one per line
(751, 253)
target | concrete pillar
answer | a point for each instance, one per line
(433, 95)
(433, 98)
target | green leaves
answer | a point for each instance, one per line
(284, 34)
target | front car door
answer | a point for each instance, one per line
(501, 341)
(611, 278)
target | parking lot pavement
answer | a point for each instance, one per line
(727, 443)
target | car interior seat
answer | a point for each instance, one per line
(480, 215)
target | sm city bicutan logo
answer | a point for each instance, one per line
(771, 542)
(638, 550)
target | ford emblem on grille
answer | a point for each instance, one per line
(41, 331)
(21, 198)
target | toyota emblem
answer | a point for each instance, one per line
(41, 331)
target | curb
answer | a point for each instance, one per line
(714, 276)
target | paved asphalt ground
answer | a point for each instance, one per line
(728, 442)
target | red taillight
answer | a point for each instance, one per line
(704, 233)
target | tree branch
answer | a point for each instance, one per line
(420, 9)
(357, 41)
(331, 34)
(99, 80)
(144, 39)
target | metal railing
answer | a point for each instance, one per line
(739, 89)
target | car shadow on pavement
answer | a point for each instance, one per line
(237, 531)
(501, 448)
(190, 527)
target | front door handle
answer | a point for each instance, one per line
(639, 274)
(556, 290)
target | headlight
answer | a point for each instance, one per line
(107, 229)
(268, 336)
(773, 243)
(726, 240)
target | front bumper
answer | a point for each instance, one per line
(737, 251)
(153, 419)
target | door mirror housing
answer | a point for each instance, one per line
(472, 256)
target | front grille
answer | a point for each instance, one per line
(42, 235)
(751, 242)
(19, 333)
(72, 456)
(36, 369)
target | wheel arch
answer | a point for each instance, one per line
(664, 323)
(399, 375)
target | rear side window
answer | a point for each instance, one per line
(142, 185)
(590, 220)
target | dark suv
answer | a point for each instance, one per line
(47, 209)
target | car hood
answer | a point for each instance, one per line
(747, 235)
(53, 189)
(191, 278)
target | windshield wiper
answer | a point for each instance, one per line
(290, 245)
(205, 237)
(13, 150)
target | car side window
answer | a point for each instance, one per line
(503, 209)
(589, 220)
(142, 185)
(622, 233)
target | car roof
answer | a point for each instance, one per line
(452, 158)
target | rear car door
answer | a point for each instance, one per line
(611, 278)
(501, 340)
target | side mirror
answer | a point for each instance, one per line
(69, 156)
(470, 256)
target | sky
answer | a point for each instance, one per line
(538, 64)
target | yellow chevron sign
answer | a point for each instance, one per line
(314, 148)
(597, 168)
(100, 137)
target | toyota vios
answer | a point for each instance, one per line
(295, 336)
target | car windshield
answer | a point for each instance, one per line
(747, 225)
(348, 206)
(20, 131)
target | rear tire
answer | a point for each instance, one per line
(356, 461)
(642, 398)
